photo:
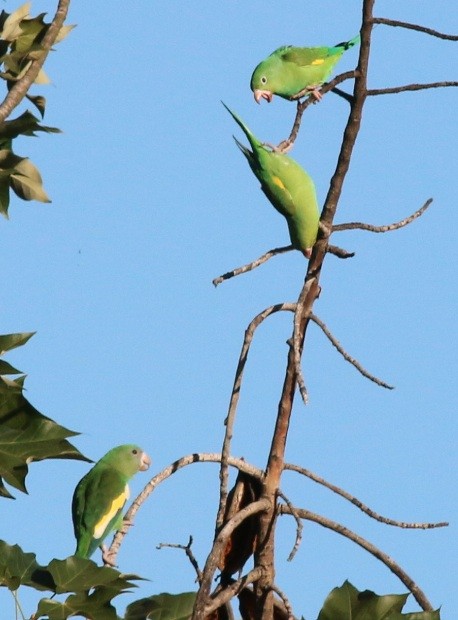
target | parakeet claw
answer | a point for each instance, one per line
(106, 556)
(316, 94)
(262, 94)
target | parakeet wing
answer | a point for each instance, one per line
(303, 56)
(97, 506)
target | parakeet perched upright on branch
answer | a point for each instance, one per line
(294, 72)
(288, 187)
(100, 496)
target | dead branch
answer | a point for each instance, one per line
(286, 145)
(383, 229)
(299, 526)
(19, 90)
(408, 87)
(189, 554)
(430, 31)
(354, 500)
(163, 475)
(233, 403)
(410, 584)
(224, 596)
(297, 344)
(250, 266)
(211, 564)
(285, 601)
(354, 362)
(264, 555)
(339, 252)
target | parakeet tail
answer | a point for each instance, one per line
(347, 44)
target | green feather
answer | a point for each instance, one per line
(290, 70)
(287, 186)
(100, 496)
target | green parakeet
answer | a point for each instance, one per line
(288, 187)
(296, 71)
(100, 496)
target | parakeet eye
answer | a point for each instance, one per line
(264, 79)
(134, 451)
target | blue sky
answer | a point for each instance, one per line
(151, 200)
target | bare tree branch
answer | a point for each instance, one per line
(354, 500)
(354, 362)
(189, 554)
(286, 145)
(21, 87)
(383, 229)
(163, 475)
(430, 31)
(339, 252)
(203, 595)
(408, 87)
(250, 266)
(299, 526)
(410, 584)
(233, 403)
(224, 596)
(285, 601)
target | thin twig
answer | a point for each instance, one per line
(354, 500)
(354, 362)
(189, 553)
(224, 596)
(410, 584)
(250, 266)
(233, 403)
(19, 90)
(219, 544)
(285, 145)
(383, 229)
(297, 343)
(285, 601)
(339, 252)
(408, 87)
(299, 526)
(430, 31)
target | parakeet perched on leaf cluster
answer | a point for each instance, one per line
(100, 496)
(294, 72)
(288, 187)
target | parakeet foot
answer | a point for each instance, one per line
(107, 556)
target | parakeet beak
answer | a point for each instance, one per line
(145, 462)
(262, 94)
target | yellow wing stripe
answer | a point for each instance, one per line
(318, 61)
(116, 505)
(278, 182)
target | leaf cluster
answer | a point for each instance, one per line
(21, 43)
(26, 435)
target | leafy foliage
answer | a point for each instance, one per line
(21, 39)
(347, 603)
(26, 435)
(162, 607)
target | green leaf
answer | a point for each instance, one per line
(347, 603)
(17, 567)
(26, 435)
(75, 574)
(162, 607)
(28, 189)
(94, 587)
(39, 102)
(11, 29)
(11, 341)
(26, 124)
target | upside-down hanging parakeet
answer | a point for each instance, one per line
(288, 187)
(294, 72)
(100, 496)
